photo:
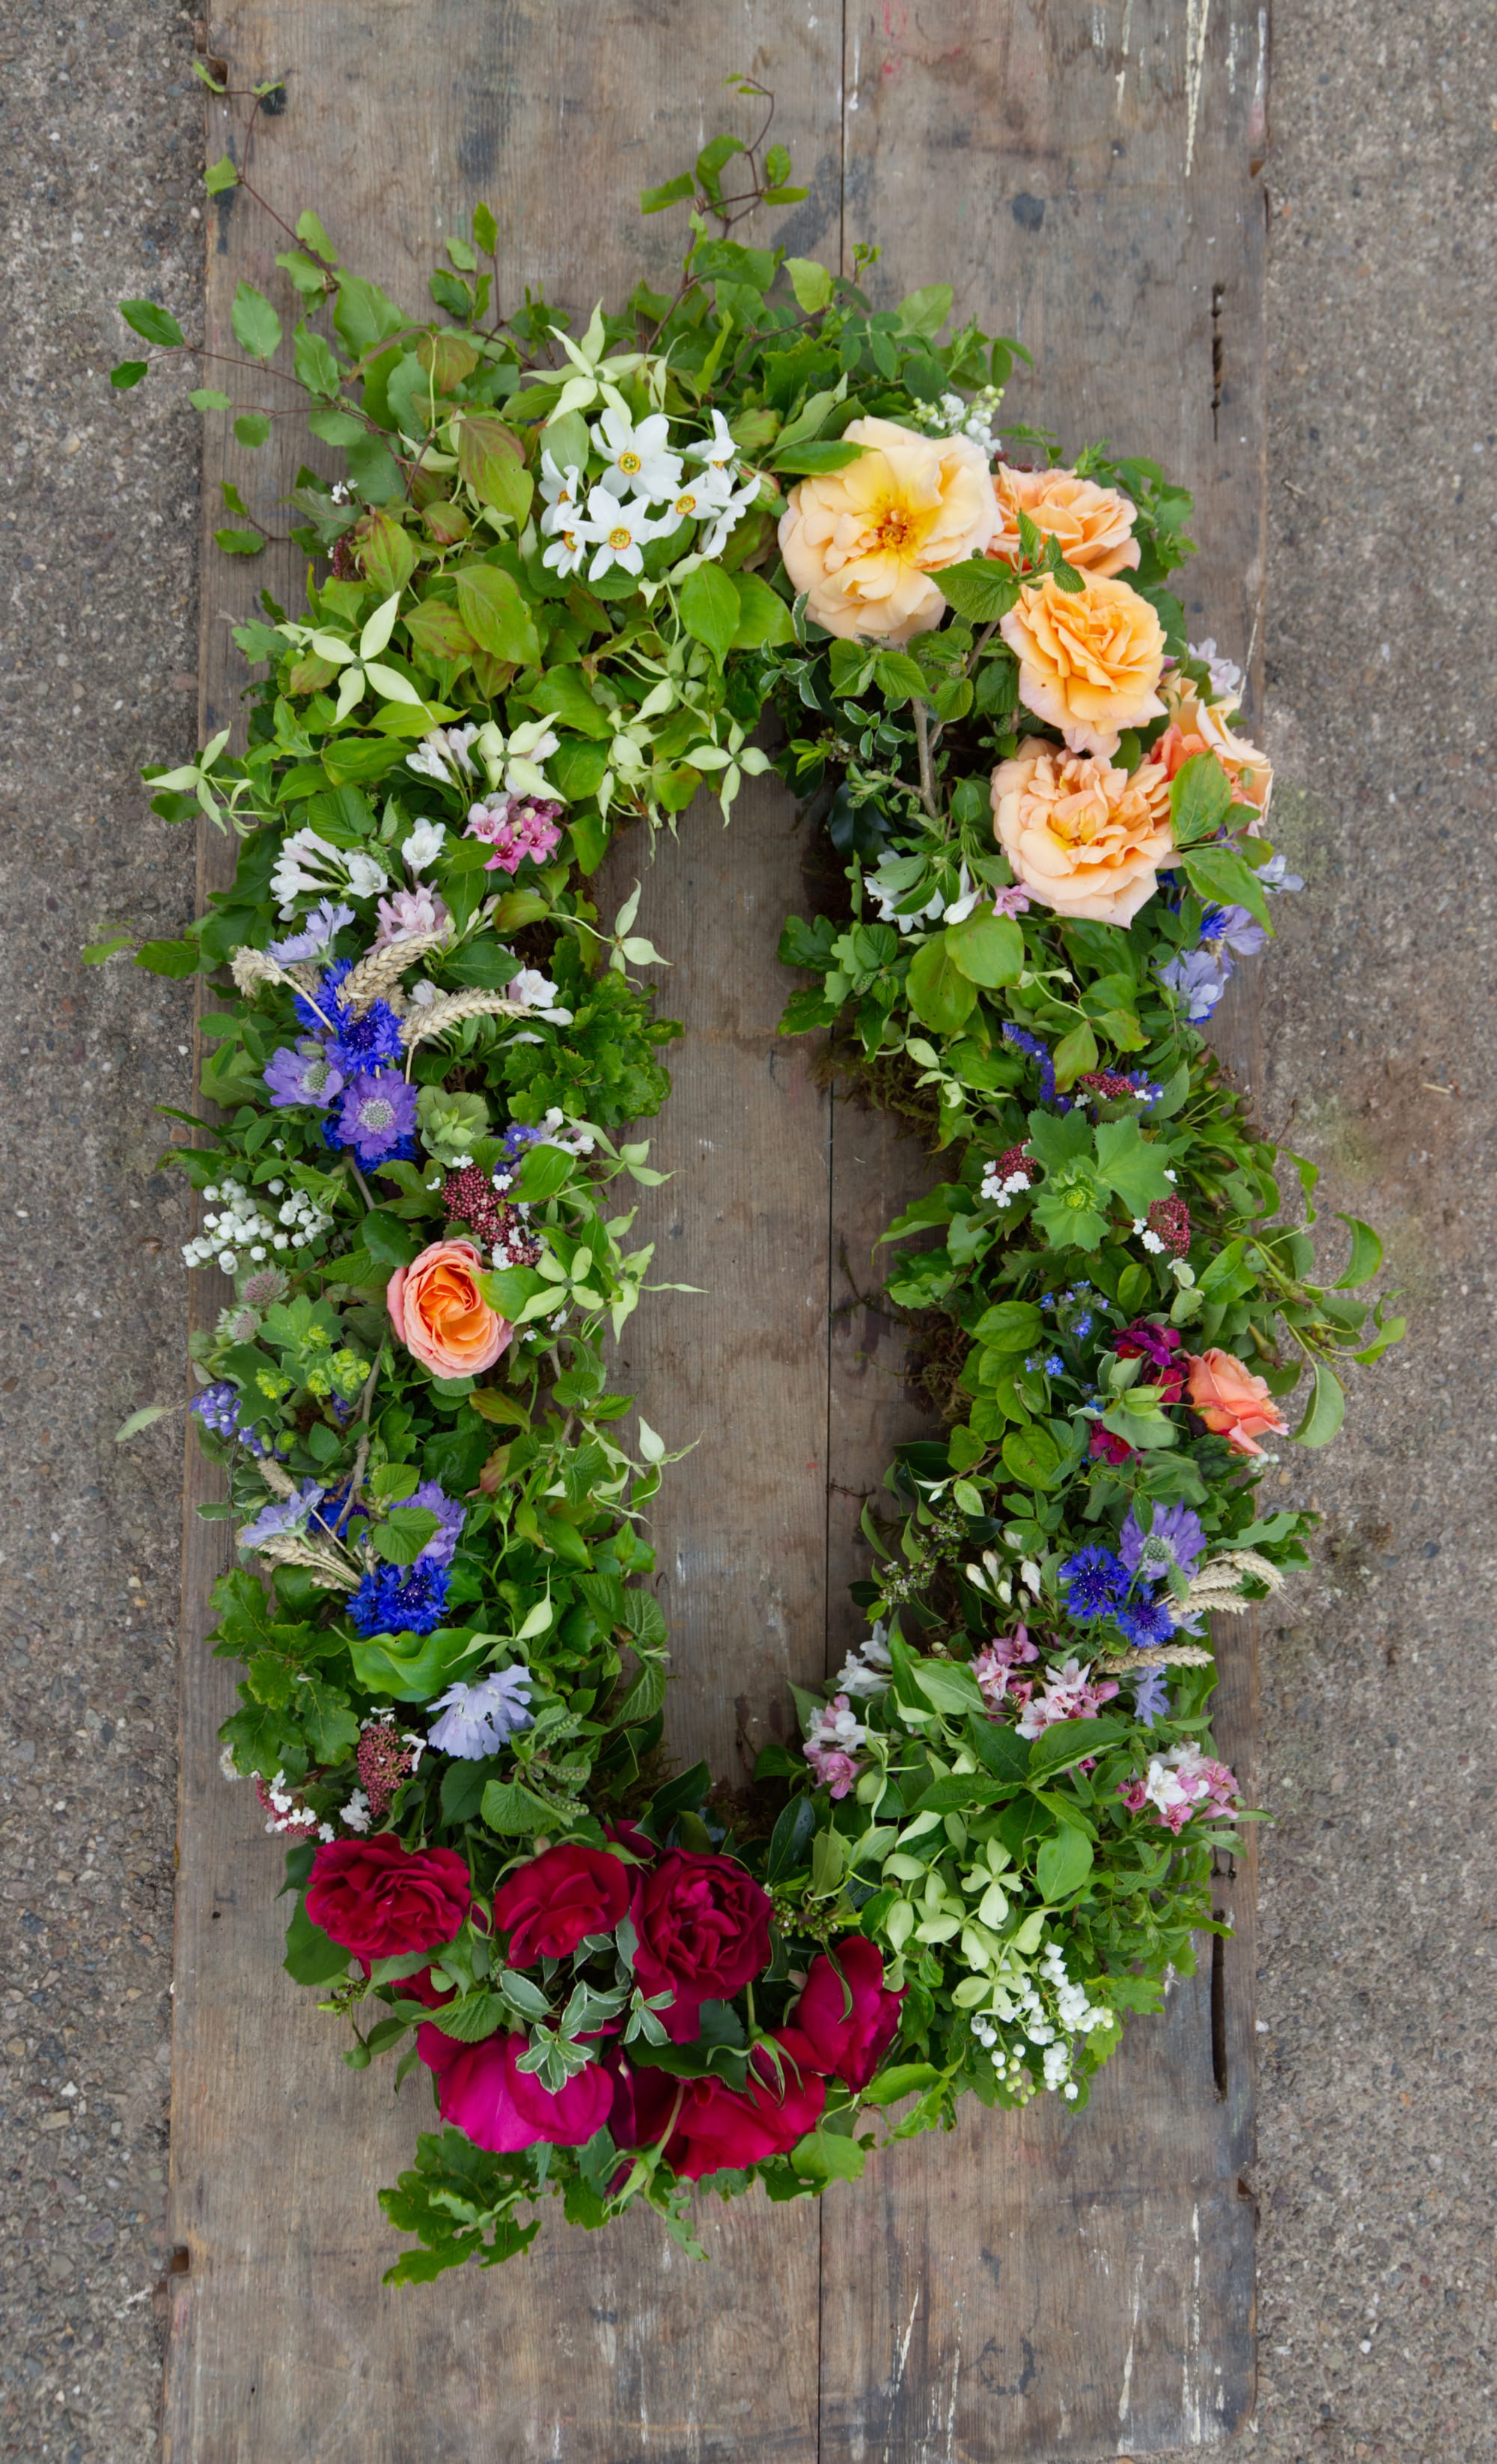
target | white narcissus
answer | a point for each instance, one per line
(619, 531)
(639, 461)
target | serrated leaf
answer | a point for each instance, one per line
(220, 175)
(1201, 799)
(981, 588)
(255, 322)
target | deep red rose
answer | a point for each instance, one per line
(704, 1927)
(849, 2020)
(1109, 1449)
(1156, 1345)
(717, 2126)
(547, 1906)
(502, 2107)
(627, 1835)
(375, 1896)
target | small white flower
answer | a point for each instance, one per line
(620, 533)
(366, 875)
(562, 490)
(1152, 1241)
(716, 539)
(718, 451)
(355, 1813)
(423, 844)
(639, 462)
(566, 552)
(531, 988)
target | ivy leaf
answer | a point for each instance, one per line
(220, 175)
(711, 608)
(255, 322)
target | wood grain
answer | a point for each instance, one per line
(1051, 2286)
(1052, 2283)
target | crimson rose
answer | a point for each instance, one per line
(704, 1927)
(717, 2126)
(851, 2019)
(375, 1896)
(551, 1903)
(499, 2106)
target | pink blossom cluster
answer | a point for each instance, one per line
(1069, 1693)
(1182, 1783)
(832, 1746)
(516, 826)
(409, 911)
(994, 1668)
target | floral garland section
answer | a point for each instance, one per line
(566, 579)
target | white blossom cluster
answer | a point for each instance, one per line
(239, 1235)
(1054, 2042)
(308, 867)
(644, 493)
(1001, 1192)
(865, 1671)
(952, 415)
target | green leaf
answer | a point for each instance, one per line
(1032, 1456)
(1010, 1326)
(208, 397)
(128, 373)
(939, 992)
(982, 588)
(238, 543)
(809, 461)
(543, 1171)
(670, 192)
(900, 2080)
(252, 428)
(899, 678)
(1326, 1410)
(1064, 1862)
(1129, 1165)
(764, 621)
(827, 2156)
(177, 960)
(925, 312)
(1072, 1741)
(949, 1685)
(220, 175)
(314, 361)
(711, 608)
(987, 949)
(511, 1809)
(412, 1668)
(1201, 798)
(153, 324)
(811, 283)
(492, 460)
(1074, 1053)
(1219, 876)
(402, 1537)
(312, 1956)
(1366, 1255)
(709, 162)
(363, 316)
(145, 1419)
(495, 612)
(485, 230)
(255, 322)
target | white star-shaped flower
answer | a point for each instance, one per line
(718, 451)
(638, 460)
(620, 531)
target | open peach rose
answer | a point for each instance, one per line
(1197, 726)
(1093, 526)
(440, 1314)
(862, 542)
(1232, 1401)
(1083, 837)
(1089, 661)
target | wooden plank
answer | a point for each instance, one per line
(613, 2348)
(1049, 2284)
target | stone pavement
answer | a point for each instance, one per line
(1378, 2278)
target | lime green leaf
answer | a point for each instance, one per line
(711, 608)
(654, 201)
(899, 678)
(1220, 876)
(314, 361)
(485, 230)
(827, 2156)
(312, 234)
(220, 175)
(1032, 1456)
(1074, 1053)
(238, 543)
(1326, 1410)
(1130, 1165)
(810, 282)
(208, 397)
(925, 312)
(940, 993)
(988, 948)
(901, 2078)
(1064, 1862)
(1366, 1255)
(255, 322)
(153, 324)
(252, 428)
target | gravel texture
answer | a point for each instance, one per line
(1378, 2278)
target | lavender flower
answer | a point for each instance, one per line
(305, 1076)
(441, 1548)
(1151, 1699)
(318, 932)
(283, 1514)
(478, 1720)
(378, 1117)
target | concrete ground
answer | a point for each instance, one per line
(1378, 2296)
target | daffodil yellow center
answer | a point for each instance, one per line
(620, 539)
(629, 462)
(686, 505)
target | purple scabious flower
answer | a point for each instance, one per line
(1034, 1050)
(401, 1599)
(1096, 1583)
(305, 1076)
(1146, 1622)
(282, 1514)
(217, 1407)
(377, 1118)
(1176, 1538)
(442, 1547)
(1151, 1699)
(478, 1720)
(318, 932)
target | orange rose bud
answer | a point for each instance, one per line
(438, 1311)
(1233, 1403)
(1093, 526)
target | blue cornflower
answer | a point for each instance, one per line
(1146, 1622)
(1151, 1701)
(1096, 1583)
(1036, 1050)
(352, 1043)
(401, 1599)
(1054, 1365)
(518, 1136)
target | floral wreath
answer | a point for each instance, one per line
(565, 576)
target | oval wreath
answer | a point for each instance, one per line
(565, 576)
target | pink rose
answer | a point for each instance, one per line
(549, 1905)
(502, 2107)
(439, 1313)
(849, 2020)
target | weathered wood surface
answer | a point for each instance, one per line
(1043, 2285)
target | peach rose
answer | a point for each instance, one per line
(1082, 839)
(1232, 1401)
(440, 1314)
(1093, 526)
(862, 542)
(1204, 727)
(1089, 661)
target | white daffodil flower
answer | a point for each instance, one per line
(423, 844)
(729, 515)
(567, 551)
(621, 531)
(562, 490)
(718, 451)
(700, 498)
(639, 461)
